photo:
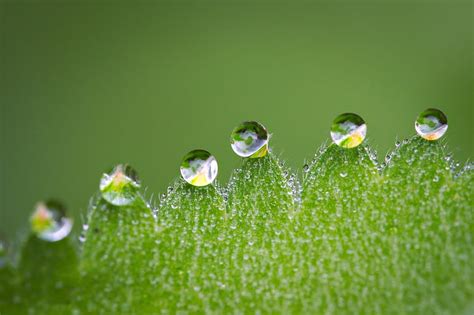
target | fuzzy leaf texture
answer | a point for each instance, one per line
(352, 237)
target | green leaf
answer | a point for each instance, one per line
(118, 258)
(48, 276)
(8, 289)
(337, 248)
(260, 206)
(191, 221)
(356, 238)
(427, 271)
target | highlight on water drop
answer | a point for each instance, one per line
(49, 221)
(250, 139)
(431, 124)
(199, 168)
(120, 185)
(348, 130)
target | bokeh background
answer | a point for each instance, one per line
(85, 85)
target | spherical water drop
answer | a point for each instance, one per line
(199, 168)
(343, 174)
(431, 124)
(250, 139)
(120, 186)
(348, 130)
(49, 221)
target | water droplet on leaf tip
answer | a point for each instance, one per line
(431, 124)
(250, 139)
(199, 168)
(49, 221)
(119, 186)
(348, 130)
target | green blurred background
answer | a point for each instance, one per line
(87, 85)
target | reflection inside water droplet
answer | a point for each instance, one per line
(49, 221)
(120, 186)
(199, 168)
(431, 124)
(250, 139)
(348, 130)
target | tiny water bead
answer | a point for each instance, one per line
(250, 139)
(199, 168)
(348, 130)
(120, 186)
(49, 221)
(431, 124)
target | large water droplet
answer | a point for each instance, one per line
(348, 130)
(250, 139)
(431, 124)
(199, 168)
(120, 186)
(49, 221)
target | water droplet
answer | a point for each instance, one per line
(397, 143)
(343, 174)
(250, 139)
(305, 168)
(431, 124)
(49, 221)
(120, 186)
(348, 130)
(199, 168)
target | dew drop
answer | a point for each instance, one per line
(431, 124)
(348, 130)
(49, 221)
(199, 168)
(250, 139)
(120, 186)
(343, 174)
(306, 168)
